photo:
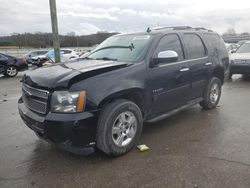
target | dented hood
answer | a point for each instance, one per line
(61, 76)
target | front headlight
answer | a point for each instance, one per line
(68, 102)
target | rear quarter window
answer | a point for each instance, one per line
(194, 46)
(215, 42)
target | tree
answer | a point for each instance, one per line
(230, 32)
(245, 33)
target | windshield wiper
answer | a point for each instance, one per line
(107, 59)
(131, 47)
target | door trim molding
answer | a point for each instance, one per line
(184, 61)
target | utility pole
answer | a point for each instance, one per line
(54, 25)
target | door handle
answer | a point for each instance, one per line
(184, 69)
(208, 63)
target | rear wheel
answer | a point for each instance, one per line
(11, 71)
(212, 94)
(119, 127)
(39, 62)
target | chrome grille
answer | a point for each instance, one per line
(35, 99)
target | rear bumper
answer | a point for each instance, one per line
(240, 69)
(22, 66)
(75, 133)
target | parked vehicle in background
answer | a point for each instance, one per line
(231, 47)
(36, 57)
(65, 54)
(241, 42)
(10, 66)
(240, 60)
(102, 100)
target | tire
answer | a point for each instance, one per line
(113, 135)
(212, 94)
(39, 62)
(230, 75)
(11, 71)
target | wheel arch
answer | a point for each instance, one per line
(136, 95)
(219, 73)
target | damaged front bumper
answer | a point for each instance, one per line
(75, 133)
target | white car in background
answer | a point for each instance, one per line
(240, 60)
(65, 54)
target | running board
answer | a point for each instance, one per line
(170, 113)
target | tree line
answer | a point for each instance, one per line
(232, 32)
(44, 40)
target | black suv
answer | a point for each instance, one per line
(103, 99)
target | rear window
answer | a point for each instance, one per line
(194, 46)
(66, 51)
(42, 52)
(244, 48)
(3, 58)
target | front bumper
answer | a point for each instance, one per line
(240, 68)
(75, 133)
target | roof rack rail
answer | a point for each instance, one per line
(203, 28)
(177, 28)
(173, 28)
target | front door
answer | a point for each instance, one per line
(170, 81)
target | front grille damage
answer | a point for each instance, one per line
(35, 99)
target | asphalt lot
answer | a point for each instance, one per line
(194, 148)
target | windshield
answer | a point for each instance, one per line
(244, 48)
(125, 48)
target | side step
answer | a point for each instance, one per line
(170, 113)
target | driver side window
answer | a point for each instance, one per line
(170, 42)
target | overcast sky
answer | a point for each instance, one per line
(91, 16)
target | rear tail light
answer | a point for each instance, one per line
(22, 60)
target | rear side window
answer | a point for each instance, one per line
(3, 58)
(41, 52)
(170, 42)
(194, 46)
(66, 51)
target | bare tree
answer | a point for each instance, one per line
(230, 32)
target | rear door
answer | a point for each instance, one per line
(169, 82)
(196, 53)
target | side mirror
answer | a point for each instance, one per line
(165, 57)
(233, 51)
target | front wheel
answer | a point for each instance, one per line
(212, 94)
(11, 71)
(119, 127)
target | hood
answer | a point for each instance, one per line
(63, 75)
(240, 56)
